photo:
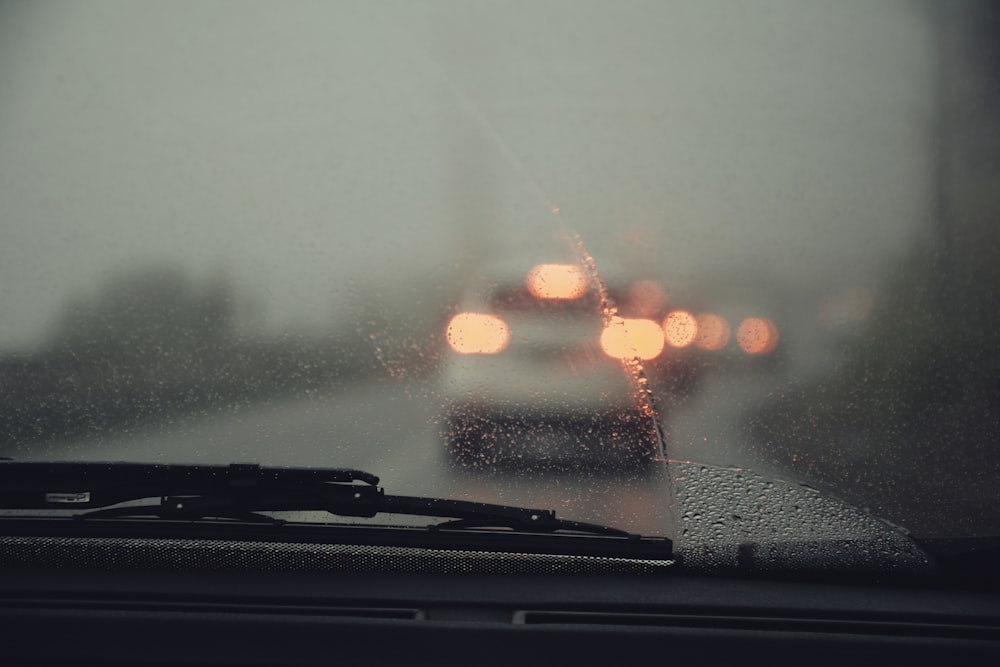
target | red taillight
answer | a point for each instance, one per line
(630, 338)
(557, 281)
(680, 328)
(477, 333)
(757, 335)
(713, 332)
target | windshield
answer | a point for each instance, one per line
(540, 254)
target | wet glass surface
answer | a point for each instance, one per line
(518, 252)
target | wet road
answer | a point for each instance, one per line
(389, 427)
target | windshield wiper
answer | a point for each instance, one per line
(244, 492)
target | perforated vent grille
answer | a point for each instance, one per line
(181, 554)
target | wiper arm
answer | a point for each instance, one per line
(83, 484)
(244, 492)
(485, 515)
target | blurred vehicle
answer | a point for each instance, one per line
(248, 254)
(732, 325)
(549, 361)
(539, 369)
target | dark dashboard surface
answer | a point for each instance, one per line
(71, 615)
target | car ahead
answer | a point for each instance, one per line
(541, 366)
(231, 237)
(568, 362)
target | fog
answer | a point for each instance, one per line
(238, 230)
(313, 154)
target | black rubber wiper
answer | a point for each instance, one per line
(245, 491)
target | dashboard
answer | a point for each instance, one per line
(116, 601)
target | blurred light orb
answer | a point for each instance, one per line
(557, 281)
(713, 332)
(624, 338)
(757, 335)
(477, 333)
(851, 306)
(680, 328)
(646, 298)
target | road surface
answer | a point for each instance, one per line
(390, 427)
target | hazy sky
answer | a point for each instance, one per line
(297, 146)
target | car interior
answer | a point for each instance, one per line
(115, 596)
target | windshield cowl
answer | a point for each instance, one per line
(733, 519)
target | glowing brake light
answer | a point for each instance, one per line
(713, 332)
(646, 299)
(477, 333)
(557, 281)
(680, 328)
(757, 335)
(627, 339)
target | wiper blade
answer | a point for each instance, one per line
(37, 484)
(246, 491)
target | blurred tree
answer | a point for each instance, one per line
(147, 316)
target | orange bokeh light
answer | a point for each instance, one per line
(477, 333)
(853, 305)
(757, 335)
(680, 328)
(646, 299)
(557, 281)
(630, 338)
(713, 332)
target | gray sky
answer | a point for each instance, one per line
(298, 146)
